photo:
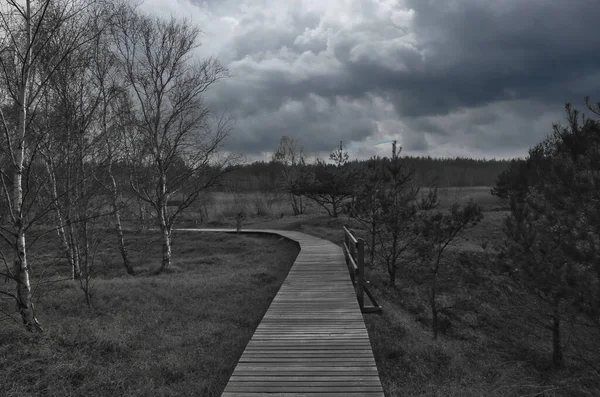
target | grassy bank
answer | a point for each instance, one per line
(171, 335)
(494, 342)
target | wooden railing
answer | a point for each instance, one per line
(354, 252)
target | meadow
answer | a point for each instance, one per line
(272, 208)
(494, 338)
(181, 333)
(175, 334)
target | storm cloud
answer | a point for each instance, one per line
(446, 78)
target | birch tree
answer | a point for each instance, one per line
(28, 29)
(115, 118)
(69, 148)
(76, 108)
(176, 145)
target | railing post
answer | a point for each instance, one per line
(360, 245)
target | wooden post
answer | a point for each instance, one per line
(360, 259)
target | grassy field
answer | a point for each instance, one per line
(494, 343)
(272, 208)
(178, 334)
(480, 194)
(181, 333)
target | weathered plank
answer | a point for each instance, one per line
(312, 341)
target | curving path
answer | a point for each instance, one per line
(312, 340)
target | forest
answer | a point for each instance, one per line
(487, 270)
(441, 172)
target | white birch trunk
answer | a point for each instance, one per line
(22, 271)
(62, 234)
(166, 240)
(118, 226)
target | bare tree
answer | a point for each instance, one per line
(75, 101)
(113, 146)
(176, 145)
(116, 117)
(28, 29)
(290, 155)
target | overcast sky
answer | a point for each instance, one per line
(478, 78)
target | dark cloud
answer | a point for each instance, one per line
(464, 76)
(481, 51)
(307, 121)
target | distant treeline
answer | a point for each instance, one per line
(443, 172)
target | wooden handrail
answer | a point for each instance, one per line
(350, 235)
(354, 252)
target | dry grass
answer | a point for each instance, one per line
(220, 208)
(178, 334)
(492, 346)
(480, 194)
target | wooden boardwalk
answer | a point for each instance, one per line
(312, 340)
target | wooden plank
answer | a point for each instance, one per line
(261, 388)
(304, 385)
(306, 363)
(296, 394)
(302, 368)
(308, 360)
(312, 340)
(305, 377)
